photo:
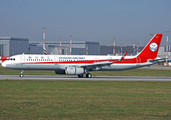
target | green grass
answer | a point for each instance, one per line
(85, 100)
(133, 72)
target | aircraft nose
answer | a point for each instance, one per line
(3, 64)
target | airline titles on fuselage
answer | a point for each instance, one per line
(36, 58)
(71, 57)
(48, 58)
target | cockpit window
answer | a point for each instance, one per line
(11, 59)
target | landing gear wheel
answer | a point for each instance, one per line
(21, 75)
(80, 76)
(88, 75)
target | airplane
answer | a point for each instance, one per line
(83, 64)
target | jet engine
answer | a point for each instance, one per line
(74, 70)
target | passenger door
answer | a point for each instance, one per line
(22, 59)
(56, 58)
(138, 61)
(96, 60)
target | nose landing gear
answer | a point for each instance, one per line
(21, 75)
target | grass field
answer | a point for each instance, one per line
(133, 72)
(85, 100)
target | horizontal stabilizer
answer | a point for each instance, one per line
(158, 60)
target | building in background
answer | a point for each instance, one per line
(106, 50)
(78, 47)
(35, 48)
(162, 52)
(11, 46)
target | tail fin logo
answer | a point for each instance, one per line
(153, 47)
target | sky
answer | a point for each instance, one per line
(86, 20)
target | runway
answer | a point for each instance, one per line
(94, 78)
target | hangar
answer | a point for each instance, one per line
(11, 46)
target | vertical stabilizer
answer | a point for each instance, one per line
(150, 51)
(45, 51)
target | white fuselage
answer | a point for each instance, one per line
(60, 62)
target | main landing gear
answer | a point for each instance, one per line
(21, 75)
(88, 75)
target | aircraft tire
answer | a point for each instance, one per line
(21, 75)
(80, 76)
(88, 75)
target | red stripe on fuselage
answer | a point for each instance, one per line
(125, 61)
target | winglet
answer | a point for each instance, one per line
(122, 58)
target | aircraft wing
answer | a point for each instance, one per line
(98, 65)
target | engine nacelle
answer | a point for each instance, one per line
(74, 70)
(60, 71)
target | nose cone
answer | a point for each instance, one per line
(3, 64)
